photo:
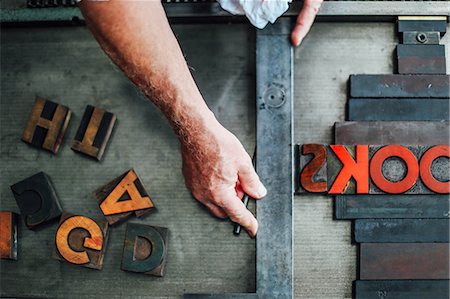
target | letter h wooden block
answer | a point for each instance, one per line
(122, 197)
(37, 200)
(94, 131)
(81, 241)
(145, 249)
(46, 125)
(8, 235)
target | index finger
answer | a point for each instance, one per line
(305, 20)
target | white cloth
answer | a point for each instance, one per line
(259, 12)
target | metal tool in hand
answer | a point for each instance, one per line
(245, 200)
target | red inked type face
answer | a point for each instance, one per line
(419, 170)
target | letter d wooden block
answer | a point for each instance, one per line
(122, 197)
(145, 249)
(81, 241)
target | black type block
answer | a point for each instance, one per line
(398, 109)
(37, 200)
(400, 86)
(401, 230)
(402, 289)
(421, 59)
(392, 132)
(392, 206)
(412, 24)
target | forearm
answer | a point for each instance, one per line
(137, 37)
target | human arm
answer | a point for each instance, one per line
(137, 37)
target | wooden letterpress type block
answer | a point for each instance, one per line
(392, 132)
(8, 235)
(400, 86)
(402, 289)
(398, 109)
(401, 230)
(145, 249)
(433, 170)
(122, 197)
(313, 168)
(37, 200)
(389, 206)
(347, 168)
(46, 125)
(404, 261)
(422, 23)
(94, 131)
(421, 38)
(81, 241)
(421, 59)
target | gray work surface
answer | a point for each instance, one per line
(65, 64)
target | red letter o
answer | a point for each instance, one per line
(425, 168)
(376, 169)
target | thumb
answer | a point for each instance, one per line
(251, 183)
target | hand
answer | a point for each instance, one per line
(218, 171)
(304, 20)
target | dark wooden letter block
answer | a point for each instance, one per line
(8, 235)
(46, 125)
(145, 249)
(313, 177)
(37, 200)
(94, 132)
(400, 86)
(401, 230)
(122, 197)
(422, 23)
(81, 241)
(404, 261)
(421, 59)
(398, 109)
(402, 289)
(389, 206)
(421, 38)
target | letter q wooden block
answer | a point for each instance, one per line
(122, 197)
(81, 241)
(8, 235)
(145, 249)
(94, 131)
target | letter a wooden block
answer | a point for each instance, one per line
(122, 197)
(8, 235)
(46, 125)
(81, 241)
(145, 249)
(37, 200)
(94, 132)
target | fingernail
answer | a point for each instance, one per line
(262, 191)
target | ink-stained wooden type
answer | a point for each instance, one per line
(94, 131)
(422, 23)
(122, 197)
(401, 230)
(81, 241)
(421, 59)
(145, 249)
(396, 169)
(392, 132)
(400, 86)
(46, 125)
(421, 38)
(403, 261)
(37, 200)
(8, 235)
(392, 206)
(313, 167)
(360, 109)
(402, 289)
